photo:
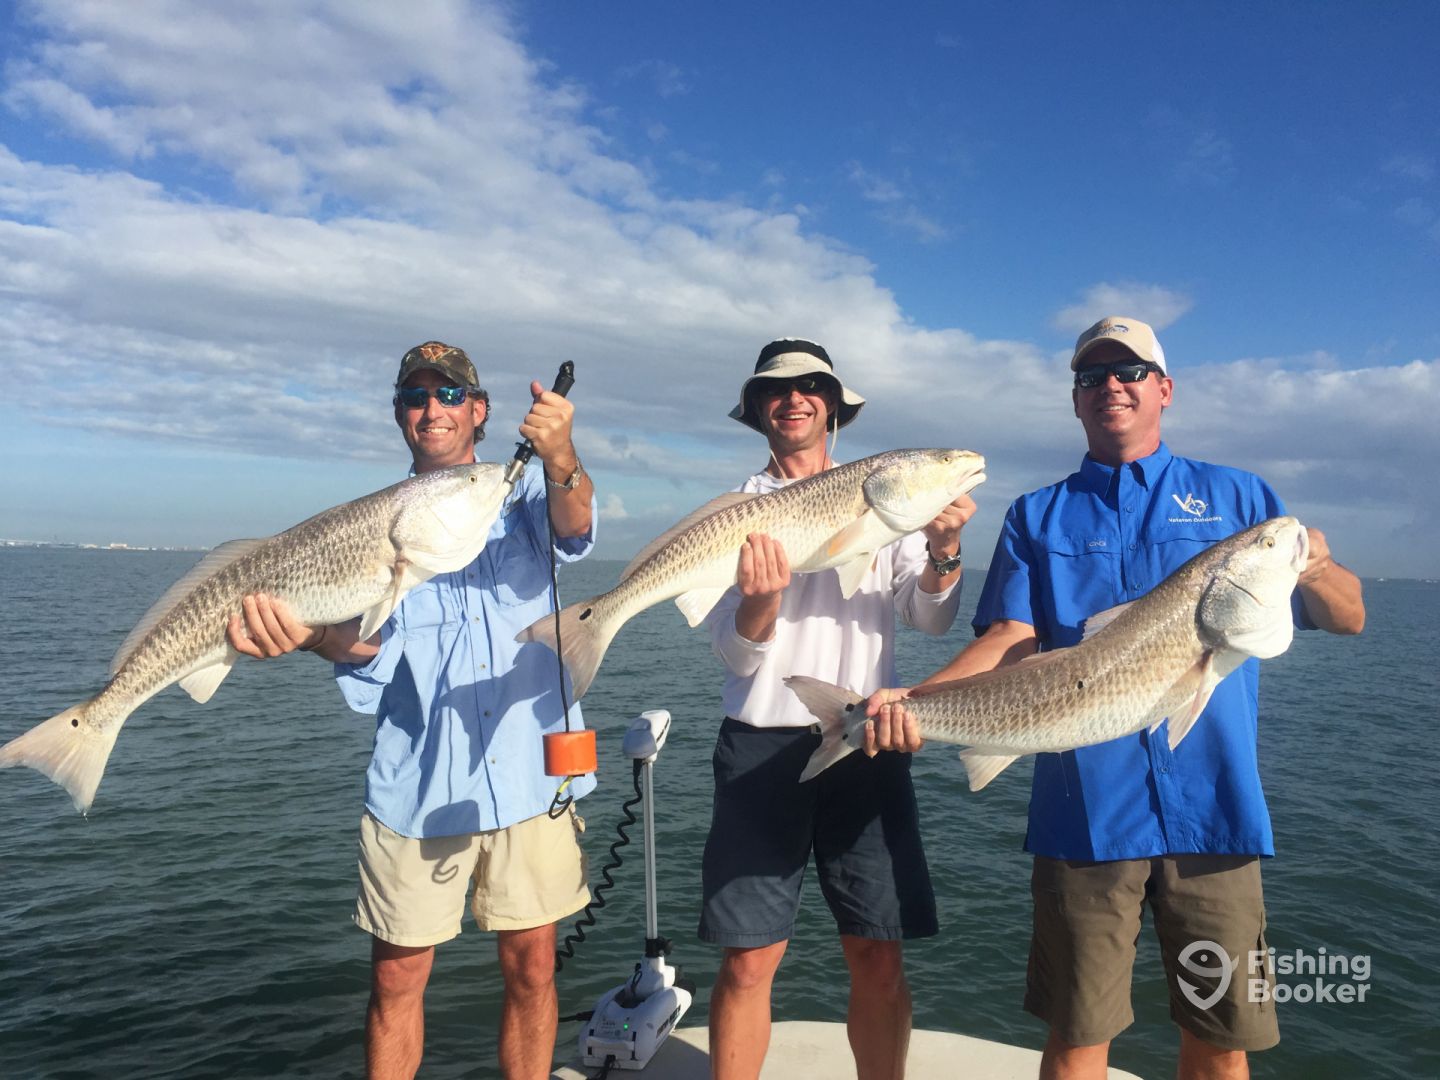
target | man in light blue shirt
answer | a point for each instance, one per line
(456, 793)
(1130, 822)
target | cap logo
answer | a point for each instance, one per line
(433, 351)
(1116, 328)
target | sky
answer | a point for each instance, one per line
(221, 225)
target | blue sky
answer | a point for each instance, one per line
(221, 225)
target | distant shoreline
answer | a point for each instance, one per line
(60, 545)
(974, 574)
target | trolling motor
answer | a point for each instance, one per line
(567, 753)
(631, 1021)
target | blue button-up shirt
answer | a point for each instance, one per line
(460, 705)
(1102, 537)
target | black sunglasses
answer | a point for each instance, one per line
(806, 384)
(1127, 371)
(416, 397)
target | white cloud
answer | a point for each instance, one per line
(292, 194)
(1410, 167)
(1209, 159)
(1155, 304)
(667, 78)
(896, 207)
(612, 509)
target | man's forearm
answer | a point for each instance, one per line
(1006, 642)
(341, 644)
(1334, 600)
(569, 510)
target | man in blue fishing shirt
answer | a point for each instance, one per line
(1116, 825)
(456, 793)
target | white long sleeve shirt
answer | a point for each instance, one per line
(818, 632)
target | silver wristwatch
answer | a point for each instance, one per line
(942, 566)
(571, 481)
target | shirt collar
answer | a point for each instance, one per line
(1097, 477)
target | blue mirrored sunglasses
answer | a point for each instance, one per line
(1127, 371)
(416, 397)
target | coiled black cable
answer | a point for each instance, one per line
(566, 949)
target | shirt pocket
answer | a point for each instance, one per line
(428, 607)
(1086, 571)
(518, 566)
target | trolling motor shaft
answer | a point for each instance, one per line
(632, 1020)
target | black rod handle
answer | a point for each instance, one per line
(564, 380)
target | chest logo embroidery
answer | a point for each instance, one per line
(1191, 505)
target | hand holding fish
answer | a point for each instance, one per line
(1331, 593)
(892, 725)
(943, 534)
(764, 570)
(269, 629)
(762, 576)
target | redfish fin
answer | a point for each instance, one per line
(697, 603)
(714, 506)
(852, 574)
(67, 750)
(583, 637)
(208, 567)
(1101, 619)
(981, 767)
(1206, 675)
(835, 708)
(201, 685)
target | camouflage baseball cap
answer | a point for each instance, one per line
(436, 355)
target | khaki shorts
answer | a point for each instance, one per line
(412, 892)
(1087, 923)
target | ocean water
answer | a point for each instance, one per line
(196, 924)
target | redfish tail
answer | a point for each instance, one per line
(583, 636)
(840, 719)
(67, 750)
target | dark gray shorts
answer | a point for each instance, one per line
(1087, 922)
(859, 817)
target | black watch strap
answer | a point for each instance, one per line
(942, 566)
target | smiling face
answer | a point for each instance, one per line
(792, 420)
(438, 436)
(1121, 420)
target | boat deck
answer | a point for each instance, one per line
(805, 1049)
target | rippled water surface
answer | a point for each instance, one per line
(196, 924)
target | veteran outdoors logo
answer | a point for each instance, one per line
(1195, 508)
(1338, 978)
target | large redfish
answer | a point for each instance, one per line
(835, 519)
(359, 558)
(1159, 656)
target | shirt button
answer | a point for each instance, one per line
(1134, 546)
(487, 712)
(477, 618)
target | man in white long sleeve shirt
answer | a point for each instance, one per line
(859, 818)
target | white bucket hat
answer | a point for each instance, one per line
(790, 358)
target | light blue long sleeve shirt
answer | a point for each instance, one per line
(460, 705)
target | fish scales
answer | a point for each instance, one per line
(359, 558)
(835, 519)
(1092, 693)
(314, 571)
(1158, 657)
